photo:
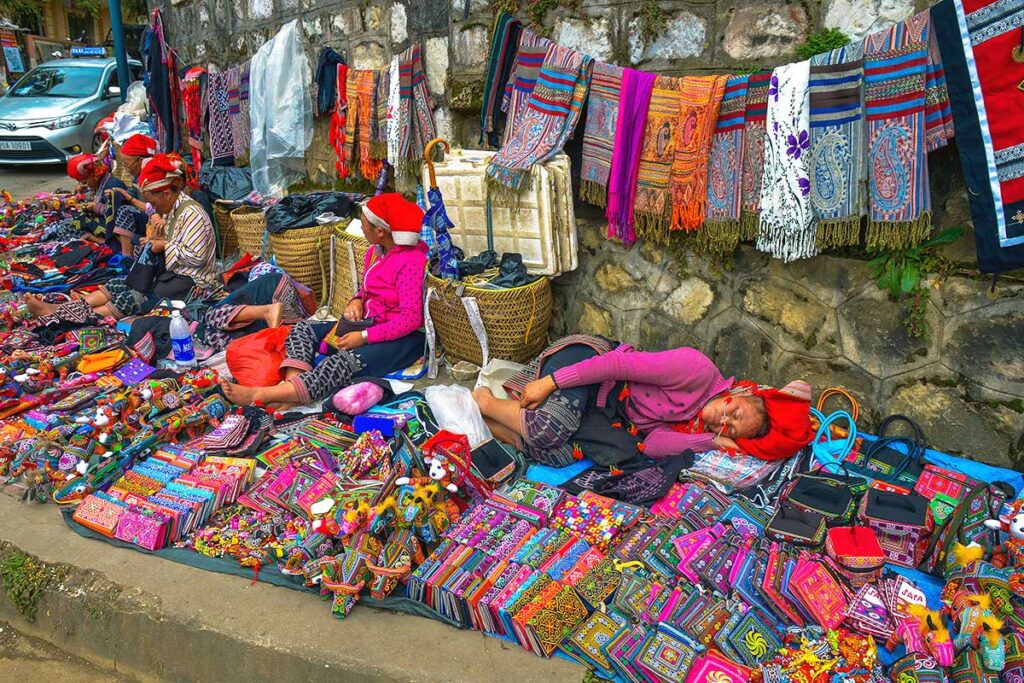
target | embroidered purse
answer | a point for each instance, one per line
(712, 667)
(918, 668)
(99, 514)
(820, 591)
(145, 530)
(749, 638)
(868, 614)
(798, 527)
(667, 655)
(944, 488)
(857, 553)
(902, 525)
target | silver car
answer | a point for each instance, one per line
(51, 112)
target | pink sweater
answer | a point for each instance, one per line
(665, 388)
(392, 292)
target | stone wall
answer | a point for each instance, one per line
(822, 319)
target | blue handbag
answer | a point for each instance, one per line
(828, 452)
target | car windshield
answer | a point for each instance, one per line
(58, 81)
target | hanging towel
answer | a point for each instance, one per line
(414, 118)
(787, 223)
(529, 59)
(700, 99)
(504, 47)
(338, 134)
(836, 159)
(652, 209)
(549, 119)
(721, 231)
(895, 67)
(753, 153)
(634, 101)
(326, 79)
(599, 133)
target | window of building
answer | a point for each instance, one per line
(81, 27)
(33, 21)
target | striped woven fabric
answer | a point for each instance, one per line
(938, 116)
(599, 133)
(652, 210)
(836, 161)
(504, 44)
(529, 59)
(359, 87)
(415, 121)
(379, 115)
(699, 100)
(895, 67)
(721, 232)
(753, 153)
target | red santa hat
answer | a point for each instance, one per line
(160, 171)
(789, 420)
(393, 212)
(81, 167)
(139, 145)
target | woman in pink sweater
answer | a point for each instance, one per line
(380, 329)
(589, 397)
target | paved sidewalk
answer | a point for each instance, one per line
(25, 181)
(29, 659)
(159, 620)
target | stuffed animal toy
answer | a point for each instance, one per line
(923, 631)
(440, 470)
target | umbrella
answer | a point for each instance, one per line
(437, 223)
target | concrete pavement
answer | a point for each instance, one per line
(23, 658)
(24, 181)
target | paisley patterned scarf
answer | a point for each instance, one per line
(629, 131)
(753, 153)
(721, 231)
(699, 100)
(895, 69)
(504, 44)
(652, 209)
(529, 59)
(836, 160)
(787, 222)
(599, 133)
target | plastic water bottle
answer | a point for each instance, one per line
(181, 342)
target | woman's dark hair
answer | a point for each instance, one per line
(762, 410)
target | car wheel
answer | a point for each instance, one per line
(97, 141)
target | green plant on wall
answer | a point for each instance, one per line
(12, 9)
(824, 40)
(24, 579)
(653, 20)
(536, 10)
(904, 273)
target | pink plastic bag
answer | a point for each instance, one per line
(356, 399)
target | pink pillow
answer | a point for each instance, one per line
(356, 399)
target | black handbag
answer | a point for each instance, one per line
(171, 285)
(799, 527)
(831, 496)
(901, 466)
(145, 271)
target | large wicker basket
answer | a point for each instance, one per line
(250, 226)
(348, 263)
(304, 254)
(225, 227)
(516, 320)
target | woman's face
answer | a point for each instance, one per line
(162, 199)
(133, 164)
(92, 182)
(737, 417)
(371, 232)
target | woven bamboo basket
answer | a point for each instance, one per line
(348, 263)
(250, 225)
(516, 320)
(304, 254)
(225, 226)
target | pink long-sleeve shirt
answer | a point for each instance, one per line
(665, 388)
(392, 291)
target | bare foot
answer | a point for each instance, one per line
(237, 394)
(483, 397)
(37, 307)
(282, 406)
(274, 315)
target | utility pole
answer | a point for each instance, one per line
(117, 28)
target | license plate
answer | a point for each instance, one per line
(15, 145)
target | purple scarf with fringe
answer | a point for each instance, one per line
(634, 99)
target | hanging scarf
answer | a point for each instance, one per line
(379, 115)
(529, 59)
(700, 99)
(327, 80)
(634, 100)
(504, 42)
(753, 153)
(721, 231)
(163, 86)
(239, 136)
(192, 101)
(394, 106)
(337, 134)
(547, 122)
(243, 108)
(836, 158)
(652, 208)
(599, 133)
(938, 117)
(787, 222)
(895, 66)
(222, 140)
(985, 88)
(358, 132)
(415, 120)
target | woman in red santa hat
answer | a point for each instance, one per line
(379, 332)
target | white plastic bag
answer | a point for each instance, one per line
(495, 374)
(455, 410)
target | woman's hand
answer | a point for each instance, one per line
(124, 193)
(156, 245)
(354, 310)
(351, 341)
(155, 226)
(536, 392)
(724, 443)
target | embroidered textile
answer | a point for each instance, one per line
(938, 116)
(415, 122)
(986, 87)
(392, 117)
(652, 209)
(549, 118)
(358, 124)
(338, 135)
(634, 99)
(222, 140)
(836, 155)
(243, 108)
(787, 224)
(379, 115)
(895, 64)
(700, 99)
(529, 59)
(504, 47)
(721, 231)
(599, 133)
(755, 116)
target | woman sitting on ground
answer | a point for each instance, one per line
(93, 174)
(589, 397)
(388, 309)
(132, 215)
(185, 238)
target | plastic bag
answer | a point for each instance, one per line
(280, 113)
(136, 102)
(455, 410)
(495, 374)
(255, 359)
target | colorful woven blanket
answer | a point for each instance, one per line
(895, 65)
(546, 123)
(699, 100)
(753, 153)
(938, 116)
(358, 143)
(787, 223)
(721, 232)
(984, 69)
(599, 133)
(415, 121)
(836, 158)
(504, 47)
(529, 59)
(652, 209)
(222, 141)
(337, 135)
(634, 100)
